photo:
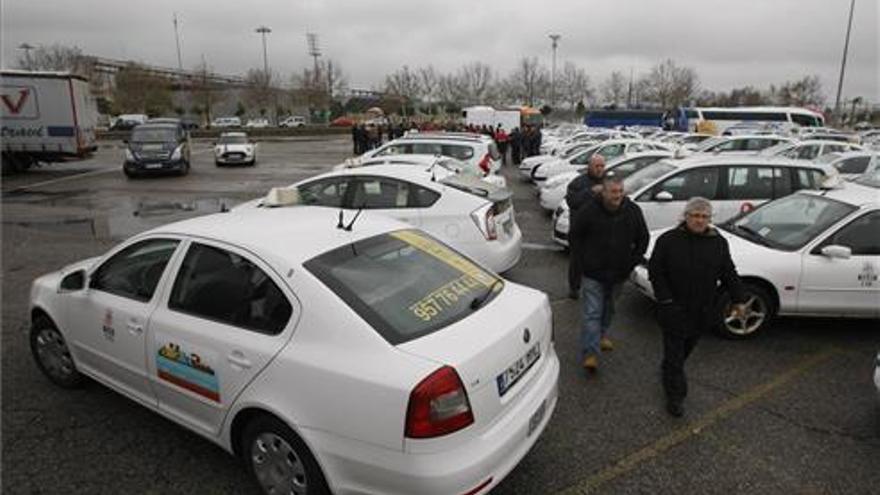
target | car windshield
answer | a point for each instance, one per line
(233, 140)
(871, 176)
(645, 176)
(791, 222)
(405, 284)
(710, 143)
(142, 134)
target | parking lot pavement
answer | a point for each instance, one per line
(793, 411)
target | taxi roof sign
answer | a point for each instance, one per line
(281, 196)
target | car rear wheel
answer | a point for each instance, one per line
(279, 460)
(760, 308)
(52, 355)
(184, 168)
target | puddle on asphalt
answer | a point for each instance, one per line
(130, 216)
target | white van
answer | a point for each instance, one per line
(293, 121)
(226, 122)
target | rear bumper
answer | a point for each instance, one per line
(498, 255)
(360, 469)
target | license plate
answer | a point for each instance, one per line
(152, 147)
(516, 370)
(153, 165)
(537, 417)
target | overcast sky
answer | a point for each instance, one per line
(730, 43)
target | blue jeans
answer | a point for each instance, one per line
(597, 310)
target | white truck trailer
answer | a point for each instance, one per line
(484, 115)
(45, 117)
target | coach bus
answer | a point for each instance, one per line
(716, 120)
(624, 118)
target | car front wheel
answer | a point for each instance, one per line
(279, 460)
(52, 355)
(759, 310)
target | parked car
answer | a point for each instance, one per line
(258, 123)
(609, 150)
(157, 148)
(235, 148)
(813, 253)
(293, 121)
(439, 165)
(809, 149)
(733, 184)
(739, 144)
(471, 215)
(311, 351)
(226, 122)
(127, 122)
(850, 164)
(479, 151)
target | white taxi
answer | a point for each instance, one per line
(813, 253)
(472, 215)
(233, 148)
(355, 356)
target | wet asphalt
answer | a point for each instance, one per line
(791, 411)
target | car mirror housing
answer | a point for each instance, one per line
(663, 196)
(836, 251)
(73, 281)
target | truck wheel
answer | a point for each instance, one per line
(279, 460)
(760, 309)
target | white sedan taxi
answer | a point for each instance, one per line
(473, 216)
(234, 148)
(813, 253)
(354, 356)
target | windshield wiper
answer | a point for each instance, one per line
(752, 234)
(479, 300)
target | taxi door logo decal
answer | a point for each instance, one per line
(868, 276)
(187, 370)
(107, 326)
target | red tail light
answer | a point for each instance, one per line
(438, 405)
(484, 163)
(491, 229)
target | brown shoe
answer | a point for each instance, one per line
(605, 344)
(591, 363)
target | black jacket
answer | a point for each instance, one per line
(611, 243)
(580, 190)
(685, 269)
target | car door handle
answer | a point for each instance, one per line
(134, 328)
(237, 359)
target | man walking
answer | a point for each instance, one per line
(612, 237)
(580, 190)
(686, 265)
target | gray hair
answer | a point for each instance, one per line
(698, 203)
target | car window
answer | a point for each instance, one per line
(423, 197)
(372, 193)
(862, 235)
(427, 148)
(808, 178)
(324, 192)
(222, 286)
(757, 182)
(457, 151)
(756, 144)
(583, 158)
(807, 152)
(395, 149)
(791, 222)
(405, 284)
(701, 181)
(855, 165)
(611, 151)
(135, 271)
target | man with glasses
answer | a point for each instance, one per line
(687, 263)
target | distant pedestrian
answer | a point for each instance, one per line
(515, 146)
(581, 189)
(501, 139)
(612, 237)
(686, 266)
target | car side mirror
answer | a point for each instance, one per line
(836, 251)
(664, 196)
(73, 281)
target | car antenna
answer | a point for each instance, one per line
(356, 215)
(339, 224)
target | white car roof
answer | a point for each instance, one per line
(700, 160)
(292, 235)
(850, 192)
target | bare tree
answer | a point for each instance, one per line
(669, 85)
(429, 82)
(803, 92)
(573, 85)
(529, 82)
(475, 82)
(317, 89)
(139, 91)
(403, 83)
(55, 57)
(614, 89)
(259, 91)
(203, 92)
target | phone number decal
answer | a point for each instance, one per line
(443, 297)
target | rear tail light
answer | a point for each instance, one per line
(438, 406)
(484, 217)
(484, 164)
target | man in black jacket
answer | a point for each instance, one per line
(686, 265)
(612, 237)
(580, 190)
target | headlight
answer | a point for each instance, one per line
(249, 150)
(177, 153)
(129, 156)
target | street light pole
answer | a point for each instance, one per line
(852, 6)
(264, 31)
(177, 39)
(555, 39)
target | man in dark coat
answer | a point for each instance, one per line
(580, 190)
(687, 263)
(612, 237)
(516, 146)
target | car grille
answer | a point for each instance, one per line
(234, 156)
